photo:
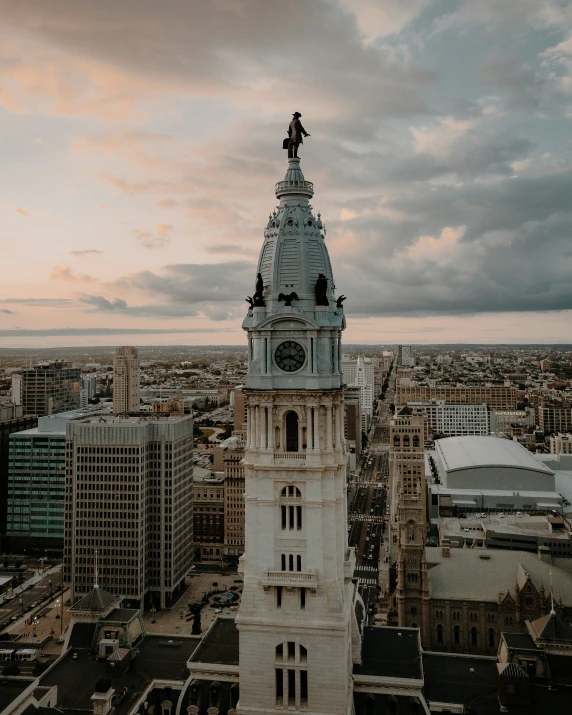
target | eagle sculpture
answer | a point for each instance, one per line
(288, 298)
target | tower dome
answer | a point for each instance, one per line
(294, 282)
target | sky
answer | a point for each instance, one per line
(141, 142)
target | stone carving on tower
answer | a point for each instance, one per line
(298, 632)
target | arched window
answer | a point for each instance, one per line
(456, 635)
(440, 633)
(416, 441)
(298, 563)
(291, 562)
(291, 508)
(492, 639)
(396, 441)
(291, 675)
(474, 636)
(406, 440)
(291, 431)
(283, 562)
(411, 530)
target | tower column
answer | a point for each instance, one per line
(262, 426)
(270, 437)
(329, 428)
(310, 427)
(316, 411)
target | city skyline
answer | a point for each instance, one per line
(142, 145)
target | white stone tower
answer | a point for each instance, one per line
(296, 619)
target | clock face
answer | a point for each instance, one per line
(290, 356)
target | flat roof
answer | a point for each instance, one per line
(150, 417)
(389, 652)
(219, 645)
(472, 451)
(509, 524)
(465, 679)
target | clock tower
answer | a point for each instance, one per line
(298, 633)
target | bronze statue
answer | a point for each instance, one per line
(250, 301)
(321, 289)
(287, 298)
(339, 301)
(296, 134)
(258, 297)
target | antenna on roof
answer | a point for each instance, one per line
(552, 611)
(95, 584)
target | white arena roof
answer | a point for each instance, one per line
(467, 452)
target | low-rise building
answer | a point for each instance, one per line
(446, 420)
(561, 444)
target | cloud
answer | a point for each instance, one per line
(22, 212)
(40, 302)
(99, 303)
(87, 252)
(226, 248)
(6, 311)
(65, 273)
(36, 333)
(159, 237)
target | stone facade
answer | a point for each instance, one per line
(298, 633)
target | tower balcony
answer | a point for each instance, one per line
(293, 459)
(306, 188)
(290, 579)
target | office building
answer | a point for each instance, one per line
(405, 356)
(129, 494)
(239, 410)
(443, 420)
(234, 487)
(511, 422)
(126, 380)
(496, 398)
(554, 418)
(358, 373)
(88, 389)
(208, 515)
(16, 389)
(561, 444)
(49, 388)
(36, 486)
(12, 420)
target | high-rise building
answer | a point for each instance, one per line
(239, 409)
(358, 373)
(49, 388)
(129, 494)
(126, 380)
(208, 515)
(37, 484)
(233, 469)
(11, 420)
(446, 420)
(405, 356)
(406, 466)
(297, 633)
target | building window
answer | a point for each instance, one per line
(278, 596)
(413, 611)
(456, 635)
(492, 638)
(291, 431)
(439, 614)
(292, 681)
(440, 633)
(474, 636)
(411, 530)
(303, 598)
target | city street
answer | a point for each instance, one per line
(26, 600)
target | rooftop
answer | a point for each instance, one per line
(96, 600)
(471, 451)
(219, 645)
(471, 681)
(391, 653)
(483, 574)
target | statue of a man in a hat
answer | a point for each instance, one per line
(296, 134)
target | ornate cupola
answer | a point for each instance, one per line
(294, 323)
